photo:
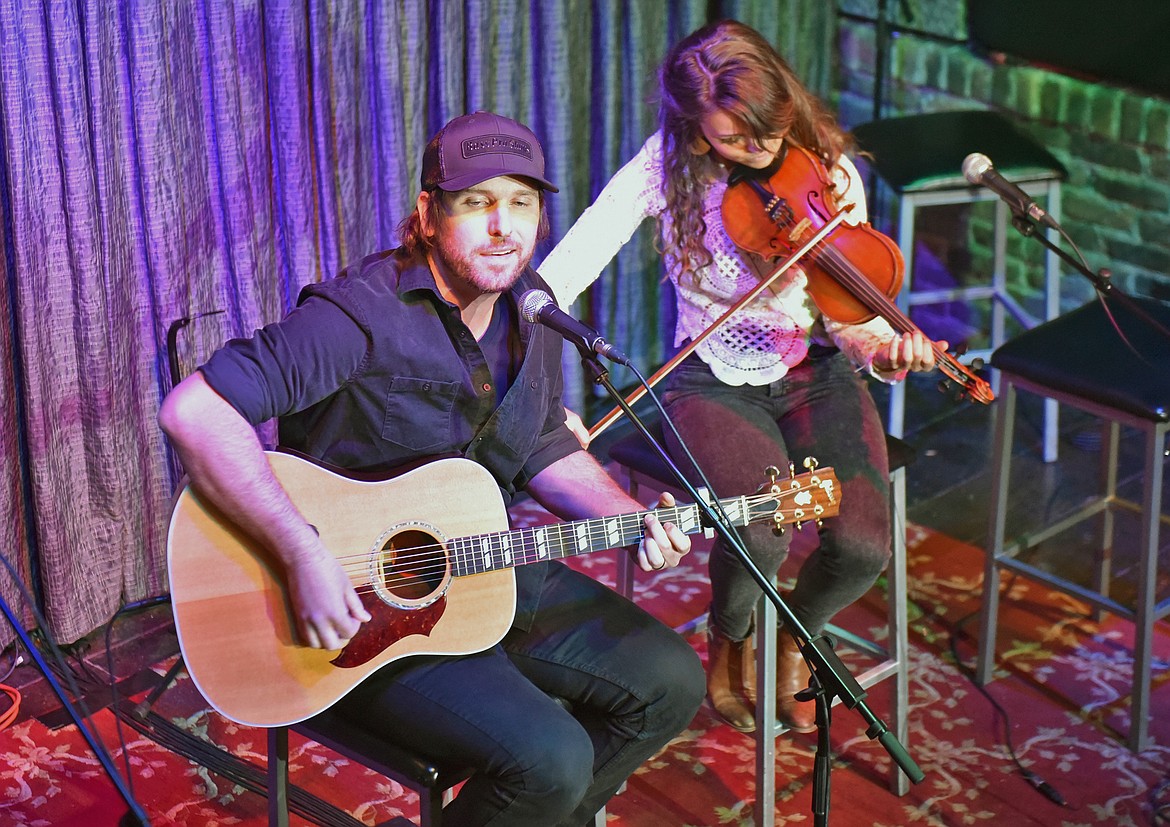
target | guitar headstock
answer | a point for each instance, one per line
(798, 498)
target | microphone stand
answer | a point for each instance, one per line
(1100, 280)
(831, 678)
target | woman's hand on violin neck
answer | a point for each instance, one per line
(910, 351)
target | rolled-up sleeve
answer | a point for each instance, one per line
(290, 365)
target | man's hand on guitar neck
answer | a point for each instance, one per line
(663, 545)
(577, 487)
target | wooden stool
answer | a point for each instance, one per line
(640, 465)
(1079, 360)
(920, 158)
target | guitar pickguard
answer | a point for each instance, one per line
(388, 626)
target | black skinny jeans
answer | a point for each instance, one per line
(632, 682)
(821, 408)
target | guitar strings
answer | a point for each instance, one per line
(432, 559)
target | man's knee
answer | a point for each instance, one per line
(681, 685)
(560, 773)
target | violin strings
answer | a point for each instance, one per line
(849, 276)
(847, 273)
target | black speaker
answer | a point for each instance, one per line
(1124, 42)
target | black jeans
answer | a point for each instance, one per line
(633, 684)
(823, 409)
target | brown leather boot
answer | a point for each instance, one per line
(728, 664)
(792, 676)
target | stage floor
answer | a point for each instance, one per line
(1063, 682)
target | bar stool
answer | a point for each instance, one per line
(1079, 359)
(639, 466)
(920, 157)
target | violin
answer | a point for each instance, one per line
(853, 274)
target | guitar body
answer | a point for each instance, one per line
(429, 553)
(232, 614)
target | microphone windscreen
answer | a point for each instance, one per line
(975, 166)
(531, 303)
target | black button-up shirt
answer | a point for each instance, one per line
(374, 370)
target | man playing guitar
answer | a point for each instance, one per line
(421, 351)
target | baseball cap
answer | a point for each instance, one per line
(473, 148)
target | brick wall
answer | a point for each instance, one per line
(1115, 143)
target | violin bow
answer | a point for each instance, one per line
(750, 296)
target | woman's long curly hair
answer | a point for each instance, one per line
(730, 67)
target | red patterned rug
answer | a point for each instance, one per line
(1063, 682)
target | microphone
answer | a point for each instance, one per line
(537, 307)
(977, 169)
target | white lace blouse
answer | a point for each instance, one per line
(764, 339)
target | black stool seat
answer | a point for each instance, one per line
(926, 151)
(1080, 353)
(342, 735)
(632, 451)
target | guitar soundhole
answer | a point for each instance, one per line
(412, 568)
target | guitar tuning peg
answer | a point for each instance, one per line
(791, 470)
(811, 463)
(772, 472)
(961, 348)
(944, 386)
(977, 364)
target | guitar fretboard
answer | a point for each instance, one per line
(478, 553)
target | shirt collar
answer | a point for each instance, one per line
(416, 275)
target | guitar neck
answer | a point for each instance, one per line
(480, 553)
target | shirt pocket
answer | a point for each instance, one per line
(419, 413)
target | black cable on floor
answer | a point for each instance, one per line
(1045, 789)
(953, 632)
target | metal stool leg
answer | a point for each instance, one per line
(898, 620)
(766, 727)
(278, 776)
(1146, 608)
(1001, 457)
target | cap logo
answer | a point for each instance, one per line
(486, 144)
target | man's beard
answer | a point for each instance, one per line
(475, 269)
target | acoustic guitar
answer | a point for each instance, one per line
(431, 555)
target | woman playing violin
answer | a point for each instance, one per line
(776, 380)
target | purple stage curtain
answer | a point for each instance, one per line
(165, 160)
